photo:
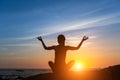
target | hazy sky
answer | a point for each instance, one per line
(21, 21)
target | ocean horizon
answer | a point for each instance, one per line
(23, 73)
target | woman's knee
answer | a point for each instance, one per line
(71, 62)
(50, 63)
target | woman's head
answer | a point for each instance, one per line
(61, 39)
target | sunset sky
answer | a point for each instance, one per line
(21, 21)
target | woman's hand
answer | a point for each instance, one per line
(39, 38)
(84, 38)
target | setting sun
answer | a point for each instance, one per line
(78, 67)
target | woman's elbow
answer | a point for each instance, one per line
(77, 47)
(46, 48)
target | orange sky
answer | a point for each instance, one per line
(24, 20)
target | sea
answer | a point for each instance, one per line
(18, 74)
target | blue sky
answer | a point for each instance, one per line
(22, 21)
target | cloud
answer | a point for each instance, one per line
(88, 23)
(95, 22)
(92, 37)
(27, 44)
(91, 12)
(3, 49)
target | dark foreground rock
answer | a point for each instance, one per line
(110, 73)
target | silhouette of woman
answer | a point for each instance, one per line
(60, 53)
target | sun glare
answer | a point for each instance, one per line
(78, 67)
